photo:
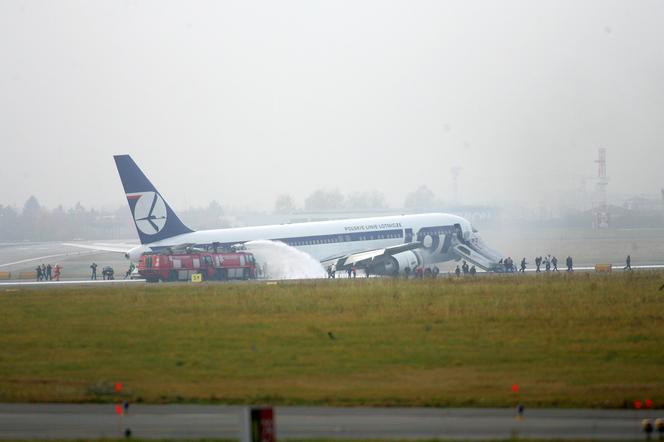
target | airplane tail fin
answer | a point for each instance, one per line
(153, 217)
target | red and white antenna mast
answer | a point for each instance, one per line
(601, 207)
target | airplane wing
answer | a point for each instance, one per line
(370, 255)
(90, 249)
(103, 247)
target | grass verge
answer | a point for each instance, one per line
(581, 340)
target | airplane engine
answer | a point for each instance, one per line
(396, 264)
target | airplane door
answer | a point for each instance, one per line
(459, 232)
(408, 236)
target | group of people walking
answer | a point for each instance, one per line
(422, 272)
(551, 263)
(465, 269)
(47, 272)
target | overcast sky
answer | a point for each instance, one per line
(243, 101)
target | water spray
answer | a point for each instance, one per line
(281, 261)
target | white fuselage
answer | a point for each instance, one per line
(325, 240)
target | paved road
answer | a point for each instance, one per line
(47, 421)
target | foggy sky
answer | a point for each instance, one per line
(242, 101)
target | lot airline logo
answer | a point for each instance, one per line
(149, 211)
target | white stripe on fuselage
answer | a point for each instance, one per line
(319, 228)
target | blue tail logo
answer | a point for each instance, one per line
(153, 217)
(149, 212)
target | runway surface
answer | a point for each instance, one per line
(340, 275)
(65, 421)
(75, 263)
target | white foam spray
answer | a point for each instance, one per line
(281, 261)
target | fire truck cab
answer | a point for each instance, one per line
(212, 266)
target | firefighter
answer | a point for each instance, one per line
(39, 273)
(56, 272)
(93, 267)
(130, 270)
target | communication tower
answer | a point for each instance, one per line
(601, 208)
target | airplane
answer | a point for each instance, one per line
(386, 245)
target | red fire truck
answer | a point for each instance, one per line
(212, 266)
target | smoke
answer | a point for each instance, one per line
(281, 261)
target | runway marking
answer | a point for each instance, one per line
(23, 261)
(74, 282)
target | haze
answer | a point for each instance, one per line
(240, 102)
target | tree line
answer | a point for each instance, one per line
(34, 222)
(37, 223)
(325, 199)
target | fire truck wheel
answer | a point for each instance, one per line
(173, 276)
(222, 275)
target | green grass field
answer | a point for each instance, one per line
(585, 340)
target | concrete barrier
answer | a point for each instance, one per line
(5, 275)
(27, 275)
(603, 268)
